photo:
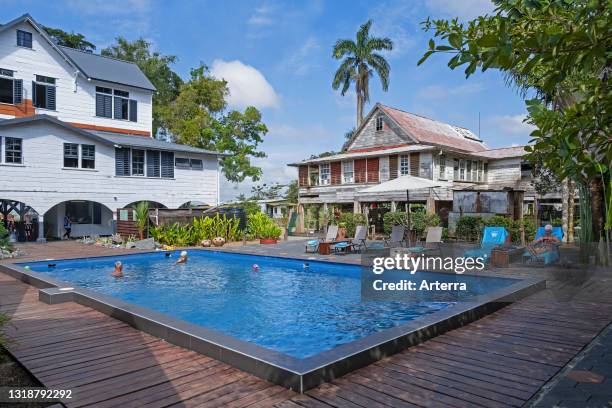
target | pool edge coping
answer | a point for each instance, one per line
(290, 372)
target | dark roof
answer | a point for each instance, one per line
(111, 138)
(92, 66)
(108, 69)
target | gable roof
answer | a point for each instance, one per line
(92, 66)
(108, 69)
(503, 152)
(114, 139)
(419, 129)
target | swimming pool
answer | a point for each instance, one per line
(281, 306)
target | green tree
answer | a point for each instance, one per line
(197, 118)
(359, 64)
(560, 51)
(70, 39)
(157, 67)
(265, 192)
(291, 194)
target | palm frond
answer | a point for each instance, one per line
(382, 68)
(344, 75)
(344, 47)
(363, 34)
(379, 44)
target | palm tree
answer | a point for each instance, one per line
(360, 63)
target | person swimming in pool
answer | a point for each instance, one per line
(182, 258)
(118, 272)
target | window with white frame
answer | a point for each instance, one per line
(383, 171)
(88, 156)
(474, 170)
(379, 123)
(13, 150)
(138, 162)
(479, 177)
(461, 169)
(348, 171)
(24, 39)
(325, 174)
(71, 155)
(116, 104)
(468, 170)
(11, 89)
(43, 92)
(404, 165)
(442, 167)
(455, 169)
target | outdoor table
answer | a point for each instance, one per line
(325, 246)
(502, 257)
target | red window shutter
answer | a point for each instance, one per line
(373, 165)
(336, 172)
(303, 176)
(360, 170)
(415, 159)
(393, 166)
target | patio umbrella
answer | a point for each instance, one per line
(406, 183)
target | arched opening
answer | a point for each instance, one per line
(85, 218)
(152, 204)
(20, 220)
(200, 205)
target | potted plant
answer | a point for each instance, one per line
(142, 217)
(262, 227)
(270, 234)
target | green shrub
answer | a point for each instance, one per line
(470, 228)
(351, 221)
(419, 221)
(217, 226)
(261, 226)
(4, 238)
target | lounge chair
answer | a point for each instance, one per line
(432, 242)
(547, 257)
(356, 243)
(313, 244)
(397, 237)
(491, 238)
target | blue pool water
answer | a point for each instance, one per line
(282, 306)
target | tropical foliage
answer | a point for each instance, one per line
(351, 221)
(359, 64)
(470, 228)
(559, 50)
(4, 238)
(419, 221)
(71, 40)
(141, 210)
(202, 228)
(261, 226)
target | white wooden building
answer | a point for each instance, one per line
(75, 138)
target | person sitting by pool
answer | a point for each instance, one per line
(545, 242)
(182, 258)
(118, 272)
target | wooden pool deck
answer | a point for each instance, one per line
(501, 360)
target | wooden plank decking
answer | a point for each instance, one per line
(498, 361)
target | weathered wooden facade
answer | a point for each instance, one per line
(391, 143)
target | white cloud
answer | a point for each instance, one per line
(464, 9)
(262, 16)
(284, 144)
(510, 125)
(301, 62)
(439, 92)
(247, 86)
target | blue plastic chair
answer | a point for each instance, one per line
(491, 237)
(547, 257)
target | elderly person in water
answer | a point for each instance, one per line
(545, 242)
(118, 272)
(182, 258)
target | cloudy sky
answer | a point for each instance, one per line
(276, 55)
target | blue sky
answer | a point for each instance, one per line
(277, 56)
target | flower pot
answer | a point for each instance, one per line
(268, 241)
(218, 241)
(206, 243)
